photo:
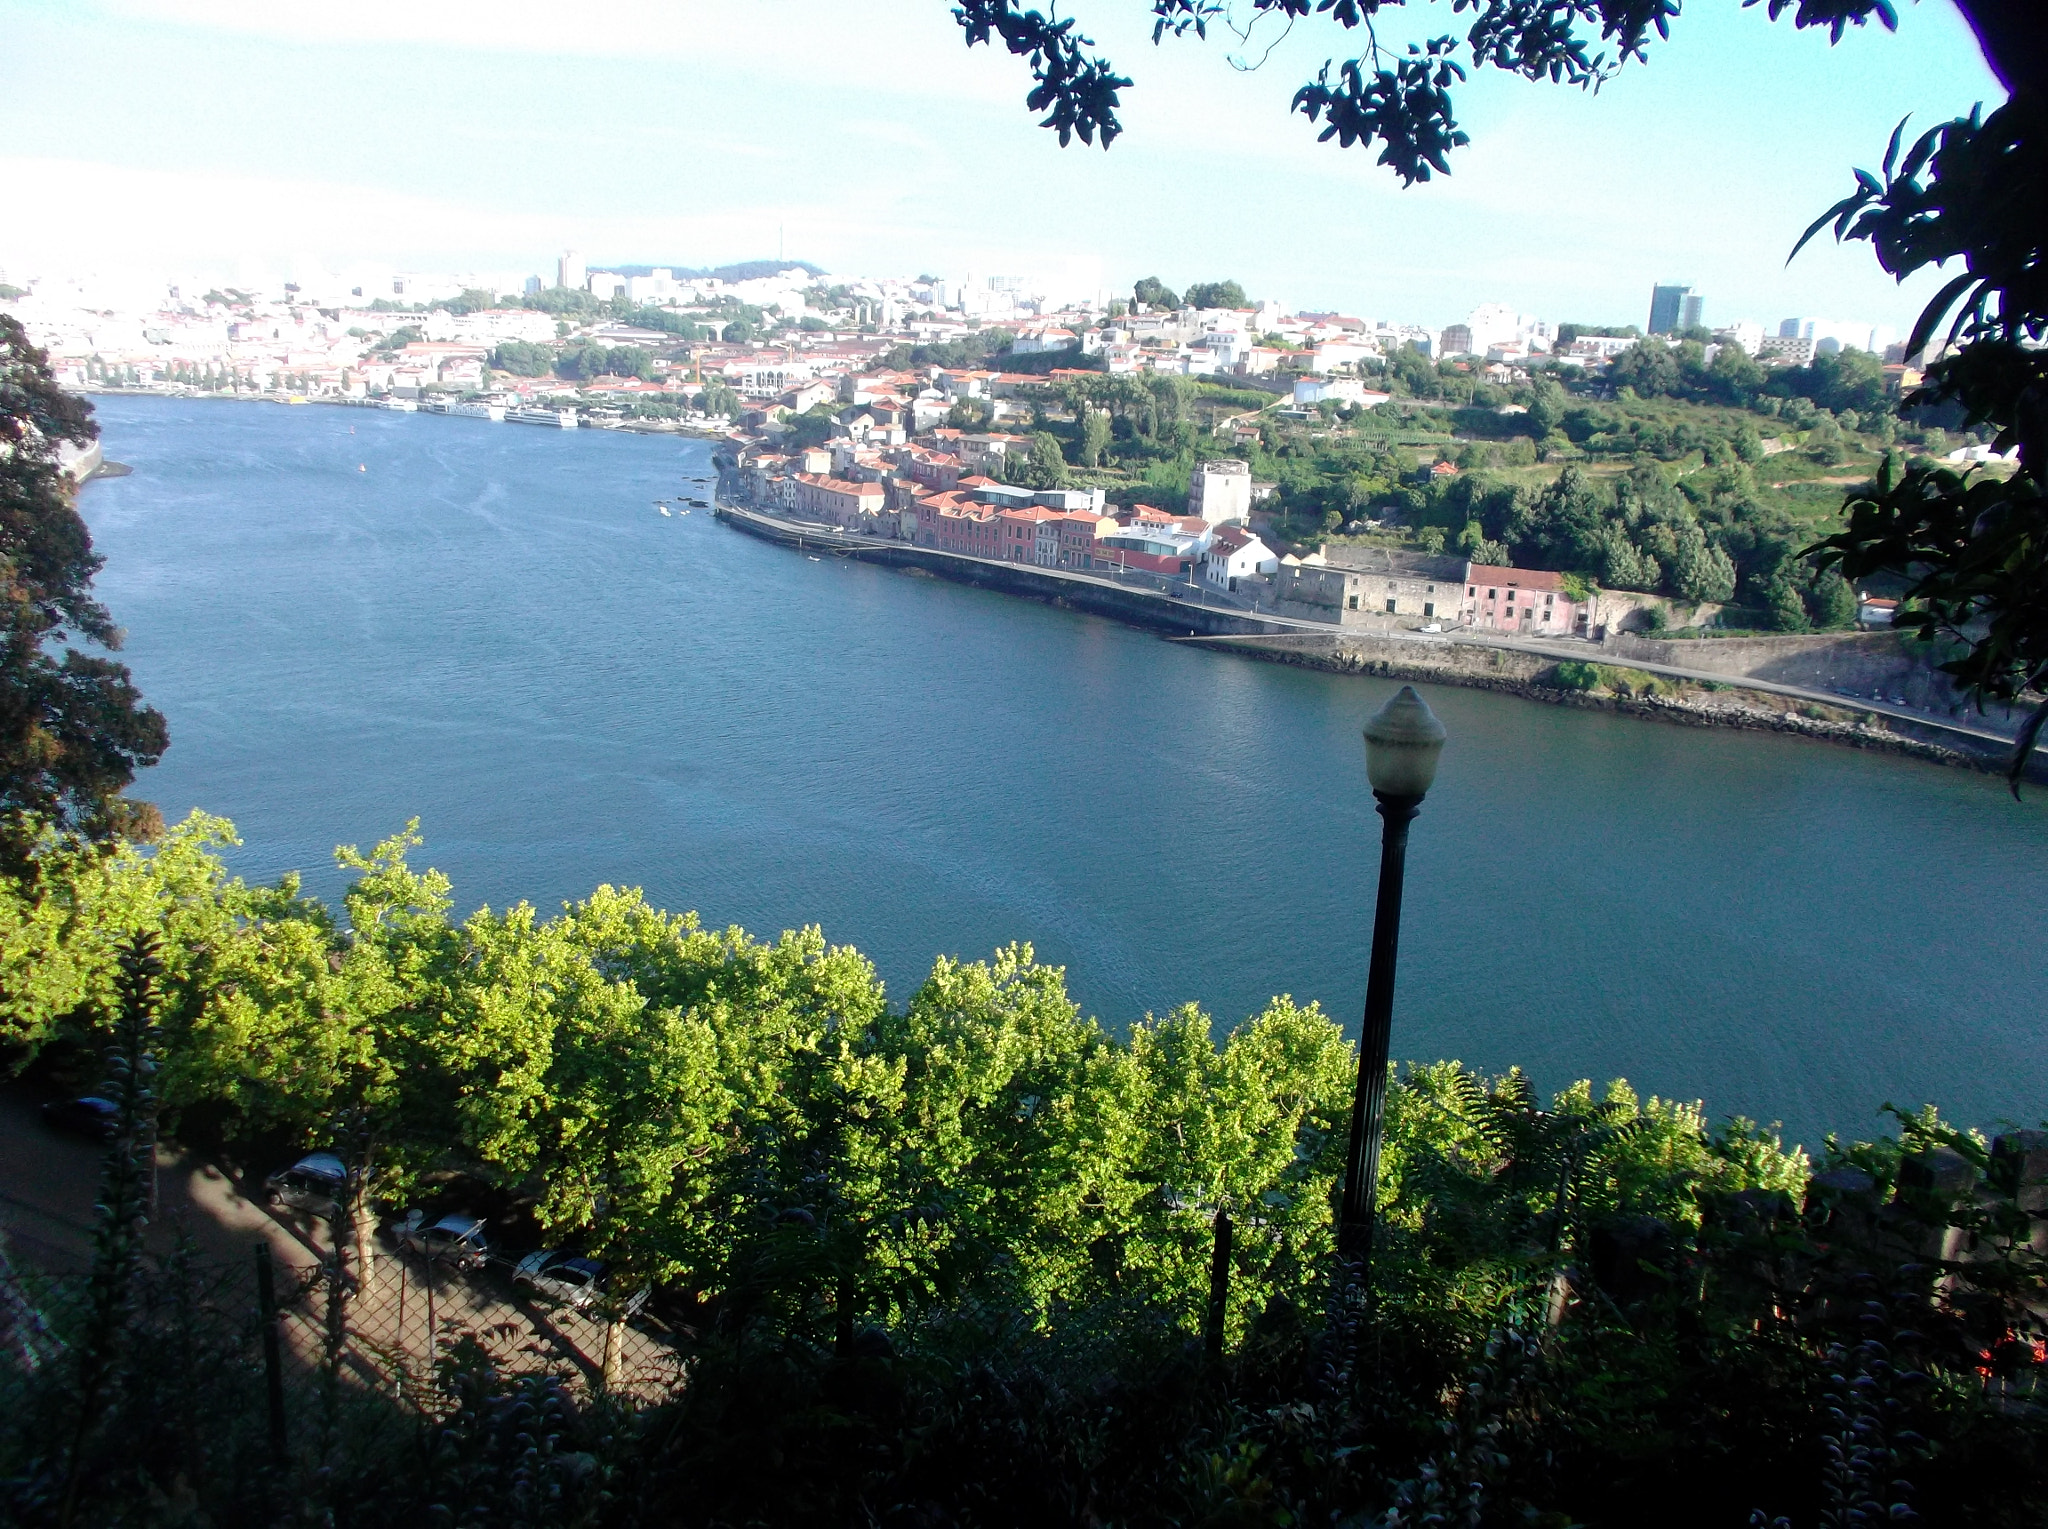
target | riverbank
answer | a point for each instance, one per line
(1167, 610)
(1727, 704)
(1660, 691)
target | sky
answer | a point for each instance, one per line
(257, 137)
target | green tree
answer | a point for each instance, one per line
(1547, 405)
(1045, 467)
(1155, 294)
(1784, 609)
(523, 358)
(565, 303)
(1473, 543)
(1650, 367)
(1831, 602)
(1734, 378)
(811, 428)
(73, 727)
(1700, 573)
(1624, 565)
(1094, 435)
(471, 300)
(1214, 294)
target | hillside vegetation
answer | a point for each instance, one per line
(953, 1260)
(1702, 482)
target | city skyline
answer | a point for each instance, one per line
(422, 137)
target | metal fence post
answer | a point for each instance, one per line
(273, 1358)
(1219, 1289)
(333, 1341)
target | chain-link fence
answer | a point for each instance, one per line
(391, 1327)
(326, 1350)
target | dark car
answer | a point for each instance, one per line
(88, 1116)
(315, 1184)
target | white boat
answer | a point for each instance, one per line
(495, 412)
(434, 406)
(664, 509)
(402, 405)
(560, 419)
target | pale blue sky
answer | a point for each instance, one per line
(216, 134)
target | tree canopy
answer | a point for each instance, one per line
(1154, 293)
(1217, 294)
(73, 727)
(1394, 92)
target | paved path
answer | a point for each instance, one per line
(49, 1183)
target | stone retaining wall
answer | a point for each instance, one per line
(1529, 675)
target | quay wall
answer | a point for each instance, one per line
(1875, 664)
(1872, 658)
(1529, 675)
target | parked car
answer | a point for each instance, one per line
(89, 1116)
(315, 1184)
(456, 1240)
(577, 1282)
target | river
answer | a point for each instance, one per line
(353, 617)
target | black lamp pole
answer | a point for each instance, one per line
(1402, 742)
(1368, 1109)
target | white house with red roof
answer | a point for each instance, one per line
(1236, 554)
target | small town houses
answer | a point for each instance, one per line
(927, 491)
(1383, 587)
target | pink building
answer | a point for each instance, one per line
(836, 501)
(1529, 600)
(953, 522)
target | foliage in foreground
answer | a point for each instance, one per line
(73, 727)
(950, 1263)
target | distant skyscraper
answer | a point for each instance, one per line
(1690, 310)
(569, 270)
(1668, 308)
(532, 285)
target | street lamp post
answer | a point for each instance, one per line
(1403, 740)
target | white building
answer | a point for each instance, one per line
(1498, 326)
(1221, 492)
(1310, 391)
(655, 289)
(1793, 350)
(569, 269)
(1747, 335)
(1831, 335)
(1236, 554)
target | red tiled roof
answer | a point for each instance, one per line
(1513, 578)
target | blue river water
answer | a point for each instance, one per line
(353, 617)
